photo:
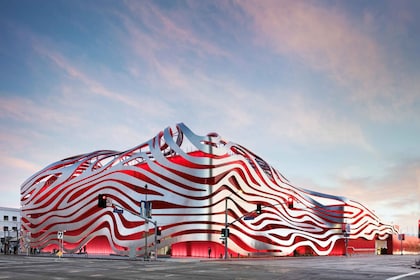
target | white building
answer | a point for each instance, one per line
(10, 221)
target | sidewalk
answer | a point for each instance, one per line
(415, 263)
(112, 257)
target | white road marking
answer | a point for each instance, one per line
(403, 275)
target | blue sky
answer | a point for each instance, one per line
(328, 92)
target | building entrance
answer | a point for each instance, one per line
(381, 247)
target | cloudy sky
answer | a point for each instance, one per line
(328, 92)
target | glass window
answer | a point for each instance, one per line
(5, 228)
(5, 218)
(14, 219)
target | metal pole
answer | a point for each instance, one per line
(156, 229)
(28, 242)
(346, 236)
(226, 226)
(17, 239)
(401, 247)
(145, 240)
(346, 241)
(146, 227)
(62, 244)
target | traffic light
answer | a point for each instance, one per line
(225, 232)
(290, 202)
(159, 231)
(102, 200)
(345, 227)
(259, 210)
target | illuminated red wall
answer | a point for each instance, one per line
(190, 180)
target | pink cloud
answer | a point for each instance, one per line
(167, 30)
(18, 163)
(28, 111)
(306, 122)
(394, 196)
(323, 38)
(149, 32)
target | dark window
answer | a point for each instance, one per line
(14, 219)
(5, 218)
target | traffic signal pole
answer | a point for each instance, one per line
(148, 220)
(103, 202)
(289, 203)
(226, 228)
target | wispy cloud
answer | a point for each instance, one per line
(165, 44)
(149, 32)
(167, 30)
(294, 81)
(346, 49)
(304, 121)
(32, 112)
(394, 195)
(325, 39)
(96, 87)
(20, 164)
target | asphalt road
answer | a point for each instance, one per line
(355, 267)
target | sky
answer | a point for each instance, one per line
(327, 92)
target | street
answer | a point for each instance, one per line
(354, 267)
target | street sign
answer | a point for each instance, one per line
(348, 228)
(60, 235)
(119, 211)
(247, 218)
(146, 209)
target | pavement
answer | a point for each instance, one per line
(166, 258)
(46, 266)
(416, 263)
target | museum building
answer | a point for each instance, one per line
(188, 195)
